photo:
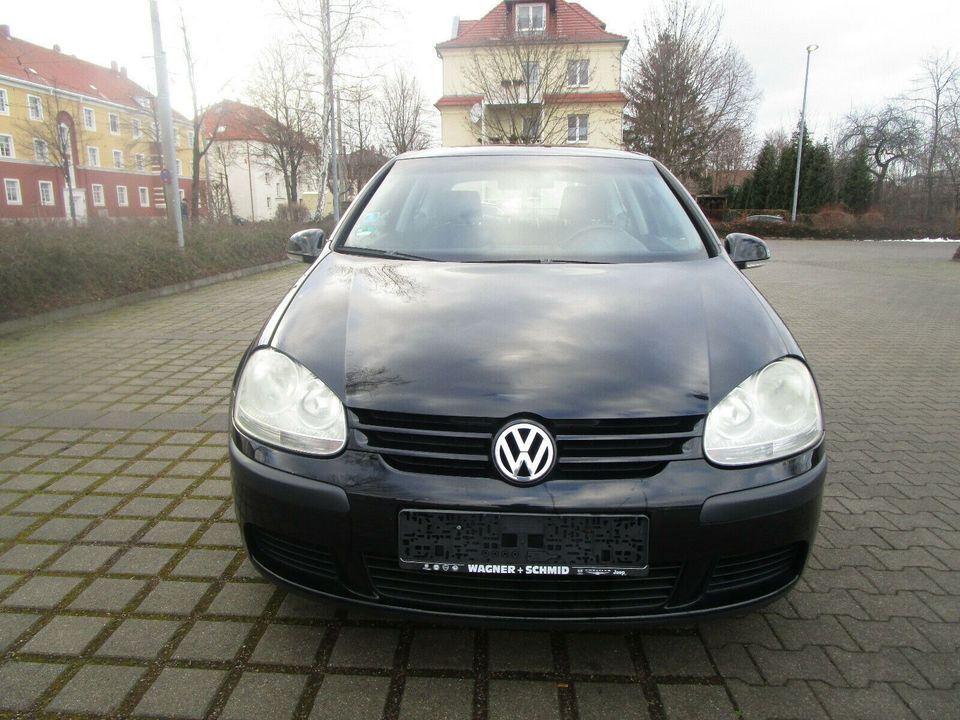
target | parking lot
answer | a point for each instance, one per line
(124, 589)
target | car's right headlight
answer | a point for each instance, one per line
(281, 403)
(772, 414)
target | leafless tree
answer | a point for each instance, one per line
(687, 89)
(403, 114)
(523, 80)
(294, 127)
(201, 143)
(58, 136)
(936, 91)
(361, 158)
(950, 153)
(340, 28)
(891, 136)
(224, 154)
(730, 154)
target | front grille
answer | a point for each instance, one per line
(291, 560)
(525, 597)
(740, 572)
(586, 449)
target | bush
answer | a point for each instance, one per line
(48, 266)
(833, 218)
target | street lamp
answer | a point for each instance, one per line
(803, 127)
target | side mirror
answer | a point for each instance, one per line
(306, 245)
(746, 250)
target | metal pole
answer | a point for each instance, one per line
(170, 179)
(334, 154)
(335, 139)
(803, 127)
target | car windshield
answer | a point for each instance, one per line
(511, 208)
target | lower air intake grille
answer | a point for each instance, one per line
(773, 567)
(304, 564)
(522, 597)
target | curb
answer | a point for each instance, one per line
(9, 327)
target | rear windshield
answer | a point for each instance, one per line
(510, 208)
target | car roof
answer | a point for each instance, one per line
(537, 150)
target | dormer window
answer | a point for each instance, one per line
(531, 17)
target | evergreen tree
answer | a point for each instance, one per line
(744, 197)
(817, 178)
(764, 175)
(782, 194)
(856, 189)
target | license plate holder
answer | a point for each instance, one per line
(523, 544)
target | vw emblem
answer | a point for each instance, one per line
(524, 452)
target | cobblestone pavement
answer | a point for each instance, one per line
(124, 589)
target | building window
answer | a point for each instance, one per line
(531, 74)
(191, 136)
(122, 196)
(577, 128)
(531, 128)
(40, 150)
(268, 202)
(46, 193)
(183, 194)
(179, 167)
(136, 129)
(118, 159)
(176, 137)
(93, 156)
(6, 146)
(97, 191)
(531, 18)
(89, 119)
(13, 192)
(114, 123)
(140, 162)
(578, 73)
(144, 197)
(4, 102)
(34, 107)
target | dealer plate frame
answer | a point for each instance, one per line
(522, 560)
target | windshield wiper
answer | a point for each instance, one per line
(393, 254)
(541, 261)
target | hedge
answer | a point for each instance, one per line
(48, 266)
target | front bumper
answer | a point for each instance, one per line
(720, 540)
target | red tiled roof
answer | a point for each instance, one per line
(568, 22)
(22, 60)
(239, 122)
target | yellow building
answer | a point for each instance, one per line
(79, 140)
(532, 72)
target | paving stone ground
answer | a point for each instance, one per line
(124, 590)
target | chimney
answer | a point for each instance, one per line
(114, 67)
(456, 27)
(56, 47)
(123, 72)
(5, 32)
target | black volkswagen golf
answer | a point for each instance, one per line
(528, 384)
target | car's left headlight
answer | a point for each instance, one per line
(772, 414)
(281, 403)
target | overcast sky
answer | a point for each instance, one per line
(869, 50)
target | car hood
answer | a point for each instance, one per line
(554, 340)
